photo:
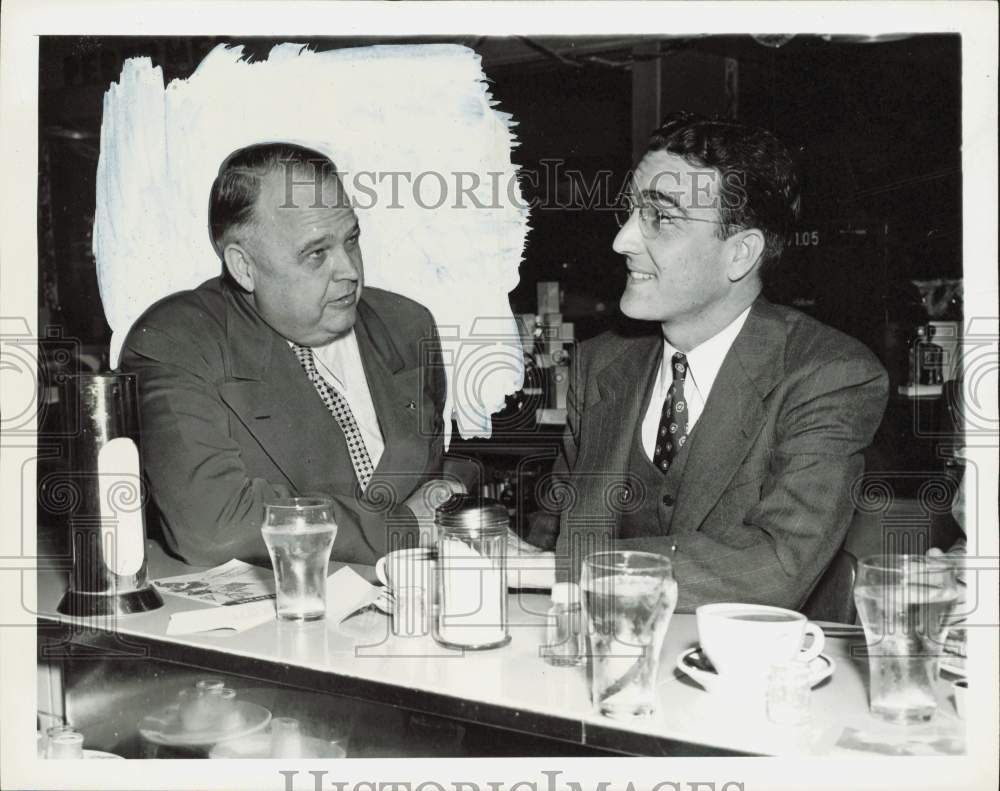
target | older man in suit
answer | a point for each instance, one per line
(286, 375)
(728, 435)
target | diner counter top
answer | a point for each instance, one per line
(509, 687)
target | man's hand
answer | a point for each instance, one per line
(528, 566)
(956, 556)
(518, 546)
(425, 500)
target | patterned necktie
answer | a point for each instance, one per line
(673, 430)
(341, 412)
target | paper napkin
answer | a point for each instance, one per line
(346, 593)
(237, 617)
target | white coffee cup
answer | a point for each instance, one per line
(408, 568)
(743, 641)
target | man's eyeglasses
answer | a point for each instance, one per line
(651, 219)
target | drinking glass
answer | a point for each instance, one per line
(903, 602)
(299, 533)
(628, 599)
(286, 738)
(789, 689)
(67, 743)
(55, 731)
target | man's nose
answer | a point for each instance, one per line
(628, 241)
(344, 266)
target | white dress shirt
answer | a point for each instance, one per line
(339, 363)
(704, 362)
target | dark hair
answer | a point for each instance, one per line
(236, 187)
(759, 186)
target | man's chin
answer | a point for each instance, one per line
(639, 309)
(331, 329)
(339, 320)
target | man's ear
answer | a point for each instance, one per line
(747, 251)
(239, 265)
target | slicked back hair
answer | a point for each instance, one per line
(759, 185)
(237, 186)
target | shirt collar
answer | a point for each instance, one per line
(705, 360)
(338, 356)
(340, 341)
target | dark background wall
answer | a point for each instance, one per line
(875, 124)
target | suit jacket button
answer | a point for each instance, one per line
(668, 501)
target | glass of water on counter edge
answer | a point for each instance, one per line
(628, 600)
(299, 533)
(904, 602)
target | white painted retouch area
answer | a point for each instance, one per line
(447, 230)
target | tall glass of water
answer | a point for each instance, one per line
(903, 602)
(628, 599)
(299, 534)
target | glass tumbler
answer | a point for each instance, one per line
(903, 602)
(299, 533)
(67, 743)
(628, 600)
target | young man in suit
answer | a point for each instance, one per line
(729, 435)
(286, 375)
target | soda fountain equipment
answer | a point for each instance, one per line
(107, 528)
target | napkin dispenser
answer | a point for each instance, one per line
(107, 526)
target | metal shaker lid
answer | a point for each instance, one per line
(472, 513)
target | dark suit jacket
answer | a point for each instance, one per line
(763, 501)
(230, 419)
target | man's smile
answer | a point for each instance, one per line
(636, 276)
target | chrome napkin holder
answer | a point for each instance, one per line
(107, 526)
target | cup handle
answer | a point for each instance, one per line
(380, 571)
(818, 640)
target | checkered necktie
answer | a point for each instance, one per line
(673, 430)
(341, 412)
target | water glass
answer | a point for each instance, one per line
(56, 730)
(789, 689)
(228, 712)
(628, 599)
(299, 533)
(207, 707)
(903, 602)
(286, 738)
(67, 743)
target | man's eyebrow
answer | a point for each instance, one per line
(313, 242)
(325, 238)
(663, 198)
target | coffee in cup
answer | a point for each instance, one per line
(743, 641)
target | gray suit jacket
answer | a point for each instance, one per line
(764, 499)
(230, 419)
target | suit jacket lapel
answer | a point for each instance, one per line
(397, 394)
(611, 421)
(733, 416)
(271, 395)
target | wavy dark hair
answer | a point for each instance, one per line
(237, 186)
(759, 185)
